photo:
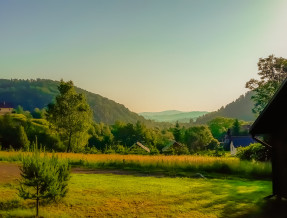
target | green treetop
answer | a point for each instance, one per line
(70, 114)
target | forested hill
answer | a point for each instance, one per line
(241, 109)
(31, 94)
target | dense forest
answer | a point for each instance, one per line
(240, 109)
(31, 94)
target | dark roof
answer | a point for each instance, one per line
(170, 144)
(242, 141)
(274, 115)
(5, 105)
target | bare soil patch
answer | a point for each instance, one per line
(9, 172)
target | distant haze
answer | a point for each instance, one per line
(148, 55)
(173, 116)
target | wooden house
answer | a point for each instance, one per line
(138, 144)
(5, 109)
(173, 144)
(272, 122)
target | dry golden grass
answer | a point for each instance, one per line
(171, 165)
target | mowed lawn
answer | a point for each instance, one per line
(102, 195)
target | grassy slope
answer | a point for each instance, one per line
(130, 196)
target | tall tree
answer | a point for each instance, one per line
(219, 126)
(177, 132)
(272, 71)
(23, 141)
(236, 128)
(70, 114)
(197, 138)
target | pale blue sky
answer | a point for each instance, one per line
(148, 55)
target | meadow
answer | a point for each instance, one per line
(185, 165)
(102, 195)
(147, 186)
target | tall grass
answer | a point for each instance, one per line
(171, 165)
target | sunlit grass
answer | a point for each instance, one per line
(170, 165)
(98, 195)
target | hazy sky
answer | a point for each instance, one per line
(150, 55)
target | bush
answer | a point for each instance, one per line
(120, 149)
(183, 150)
(154, 151)
(92, 150)
(219, 152)
(254, 151)
(43, 178)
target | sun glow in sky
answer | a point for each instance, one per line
(148, 55)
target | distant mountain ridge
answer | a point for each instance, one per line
(173, 116)
(39, 93)
(241, 109)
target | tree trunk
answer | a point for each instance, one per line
(37, 202)
(69, 143)
(37, 208)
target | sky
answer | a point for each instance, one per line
(150, 55)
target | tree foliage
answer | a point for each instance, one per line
(70, 114)
(236, 128)
(12, 133)
(272, 71)
(255, 151)
(43, 178)
(177, 132)
(197, 138)
(219, 126)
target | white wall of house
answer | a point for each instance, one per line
(233, 150)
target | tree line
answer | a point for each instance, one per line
(67, 125)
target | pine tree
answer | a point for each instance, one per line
(236, 128)
(176, 132)
(43, 178)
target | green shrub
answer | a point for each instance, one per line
(254, 151)
(120, 149)
(43, 178)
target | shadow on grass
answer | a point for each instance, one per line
(272, 208)
(8, 205)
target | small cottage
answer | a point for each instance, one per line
(272, 122)
(138, 144)
(233, 142)
(173, 144)
(5, 109)
(239, 141)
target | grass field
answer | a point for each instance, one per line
(167, 165)
(102, 195)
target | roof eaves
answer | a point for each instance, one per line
(274, 97)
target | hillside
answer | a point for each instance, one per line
(241, 109)
(173, 116)
(39, 93)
